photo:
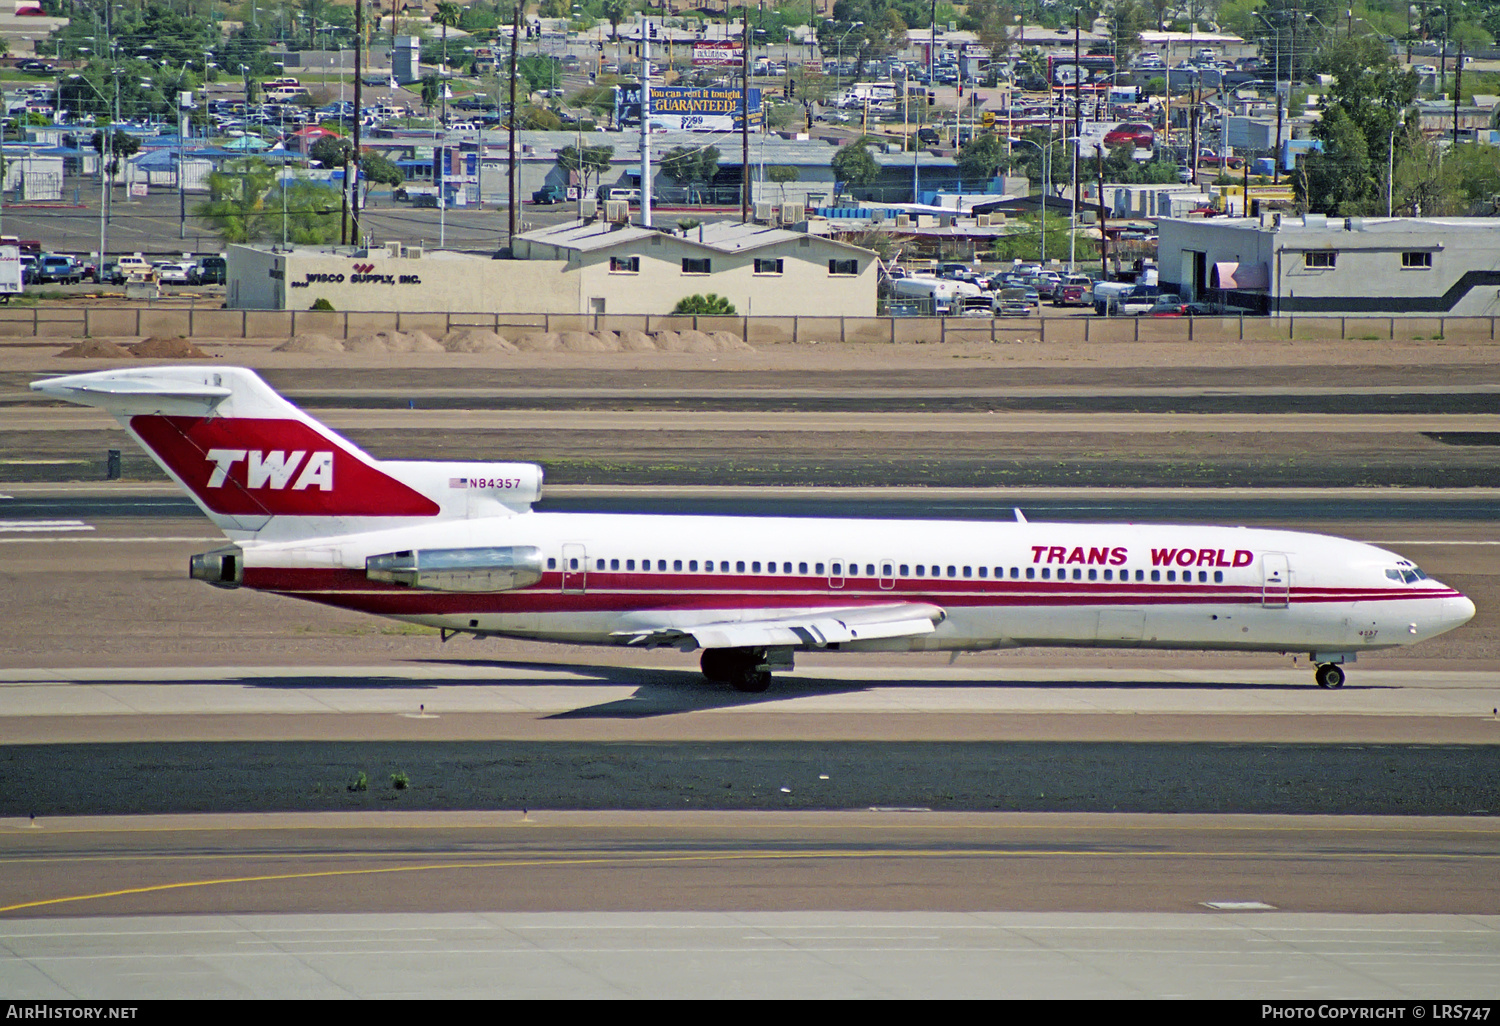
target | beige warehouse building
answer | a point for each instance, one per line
(589, 267)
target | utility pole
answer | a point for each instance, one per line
(744, 114)
(515, 45)
(1103, 222)
(646, 29)
(353, 186)
(1458, 89)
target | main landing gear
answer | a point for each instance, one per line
(745, 669)
(1329, 675)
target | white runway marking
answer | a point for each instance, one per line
(116, 541)
(31, 526)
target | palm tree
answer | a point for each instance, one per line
(447, 14)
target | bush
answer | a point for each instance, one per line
(700, 304)
(321, 304)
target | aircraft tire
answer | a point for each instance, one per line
(1329, 675)
(718, 665)
(751, 680)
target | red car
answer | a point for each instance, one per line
(1135, 133)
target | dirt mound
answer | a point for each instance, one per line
(160, 347)
(421, 342)
(310, 342)
(97, 349)
(636, 342)
(728, 341)
(539, 342)
(668, 342)
(691, 341)
(587, 342)
(475, 340)
(378, 342)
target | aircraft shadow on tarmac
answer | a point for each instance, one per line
(661, 692)
(666, 691)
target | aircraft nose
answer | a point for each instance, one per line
(1457, 612)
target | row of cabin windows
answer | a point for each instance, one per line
(888, 570)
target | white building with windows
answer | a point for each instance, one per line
(626, 269)
(589, 267)
(1315, 264)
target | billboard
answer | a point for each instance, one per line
(687, 108)
(716, 53)
(1087, 70)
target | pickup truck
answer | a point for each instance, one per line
(1212, 161)
(549, 194)
(60, 269)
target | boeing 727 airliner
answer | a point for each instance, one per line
(457, 546)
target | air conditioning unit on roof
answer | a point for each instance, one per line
(793, 213)
(763, 212)
(617, 211)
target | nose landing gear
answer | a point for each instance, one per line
(1329, 675)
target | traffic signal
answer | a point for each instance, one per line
(791, 89)
(931, 98)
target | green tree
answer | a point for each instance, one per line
(691, 166)
(590, 161)
(377, 169)
(330, 150)
(432, 91)
(122, 146)
(1362, 105)
(539, 73)
(312, 212)
(982, 158)
(448, 15)
(235, 208)
(782, 174)
(701, 304)
(853, 165)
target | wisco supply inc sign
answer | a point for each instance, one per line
(363, 274)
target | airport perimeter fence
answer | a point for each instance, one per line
(107, 322)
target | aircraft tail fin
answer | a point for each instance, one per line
(254, 462)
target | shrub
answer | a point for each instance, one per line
(700, 304)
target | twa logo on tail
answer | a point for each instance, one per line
(263, 466)
(273, 469)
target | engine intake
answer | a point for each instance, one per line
(499, 568)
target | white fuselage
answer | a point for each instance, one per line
(1000, 584)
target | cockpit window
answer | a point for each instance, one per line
(1406, 572)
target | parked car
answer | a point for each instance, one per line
(548, 195)
(1071, 295)
(209, 270)
(1136, 133)
(172, 272)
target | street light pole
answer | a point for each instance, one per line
(1046, 185)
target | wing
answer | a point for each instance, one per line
(817, 628)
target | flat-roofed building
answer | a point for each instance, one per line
(1315, 264)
